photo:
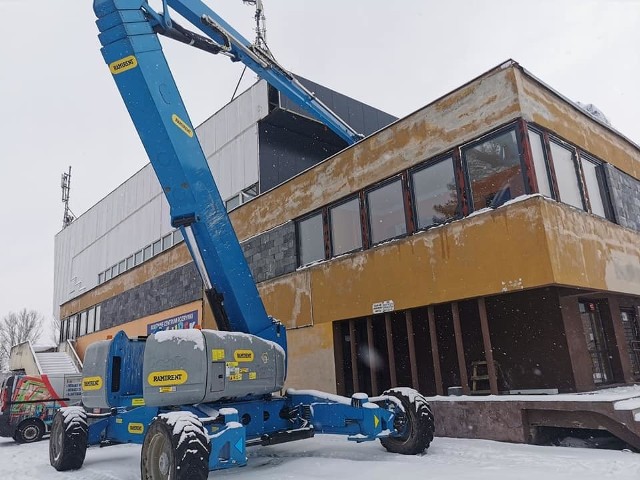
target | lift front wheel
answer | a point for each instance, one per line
(175, 447)
(415, 425)
(68, 442)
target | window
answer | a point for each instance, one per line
(97, 326)
(435, 193)
(148, 252)
(91, 319)
(107, 274)
(73, 327)
(232, 203)
(64, 325)
(83, 323)
(566, 175)
(138, 258)
(386, 212)
(122, 267)
(539, 163)
(594, 184)
(177, 237)
(114, 271)
(166, 242)
(100, 278)
(495, 171)
(157, 247)
(346, 231)
(129, 262)
(310, 239)
(249, 193)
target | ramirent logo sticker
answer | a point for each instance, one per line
(167, 378)
(243, 355)
(124, 64)
(136, 428)
(92, 383)
(182, 125)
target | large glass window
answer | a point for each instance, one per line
(138, 257)
(593, 185)
(148, 252)
(97, 326)
(539, 163)
(346, 231)
(495, 171)
(566, 175)
(311, 239)
(435, 194)
(177, 237)
(83, 323)
(386, 212)
(166, 241)
(91, 319)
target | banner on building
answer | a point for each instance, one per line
(179, 322)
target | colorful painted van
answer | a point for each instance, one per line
(29, 402)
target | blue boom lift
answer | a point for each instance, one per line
(196, 399)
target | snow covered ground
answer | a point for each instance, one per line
(333, 458)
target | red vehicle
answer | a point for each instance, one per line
(29, 402)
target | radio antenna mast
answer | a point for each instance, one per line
(65, 184)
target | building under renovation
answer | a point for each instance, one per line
(489, 241)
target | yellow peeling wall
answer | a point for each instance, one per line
(457, 118)
(540, 105)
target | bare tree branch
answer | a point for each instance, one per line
(16, 328)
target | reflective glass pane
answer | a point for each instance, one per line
(138, 258)
(83, 323)
(346, 233)
(542, 175)
(148, 252)
(435, 194)
(566, 175)
(114, 271)
(311, 239)
(233, 203)
(157, 247)
(177, 237)
(386, 212)
(166, 242)
(100, 278)
(590, 171)
(494, 171)
(121, 266)
(91, 319)
(97, 326)
(129, 262)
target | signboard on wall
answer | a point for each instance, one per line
(179, 322)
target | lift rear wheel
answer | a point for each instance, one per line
(175, 447)
(68, 442)
(29, 431)
(415, 424)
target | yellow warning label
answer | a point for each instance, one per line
(243, 355)
(182, 125)
(124, 64)
(92, 383)
(118, 420)
(217, 354)
(167, 389)
(167, 377)
(376, 421)
(137, 402)
(136, 428)
(253, 375)
(232, 364)
(235, 378)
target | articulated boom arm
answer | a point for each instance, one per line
(131, 48)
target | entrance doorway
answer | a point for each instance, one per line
(597, 342)
(631, 328)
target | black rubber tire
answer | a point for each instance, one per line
(165, 457)
(29, 431)
(69, 438)
(416, 423)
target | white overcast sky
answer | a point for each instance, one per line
(60, 106)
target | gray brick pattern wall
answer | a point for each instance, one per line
(174, 288)
(272, 253)
(625, 197)
(269, 255)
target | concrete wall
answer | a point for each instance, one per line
(21, 358)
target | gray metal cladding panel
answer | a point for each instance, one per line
(625, 197)
(177, 287)
(94, 375)
(361, 117)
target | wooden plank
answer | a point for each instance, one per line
(462, 364)
(355, 381)
(408, 318)
(435, 354)
(372, 369)
(488, 350)
(390, 351)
